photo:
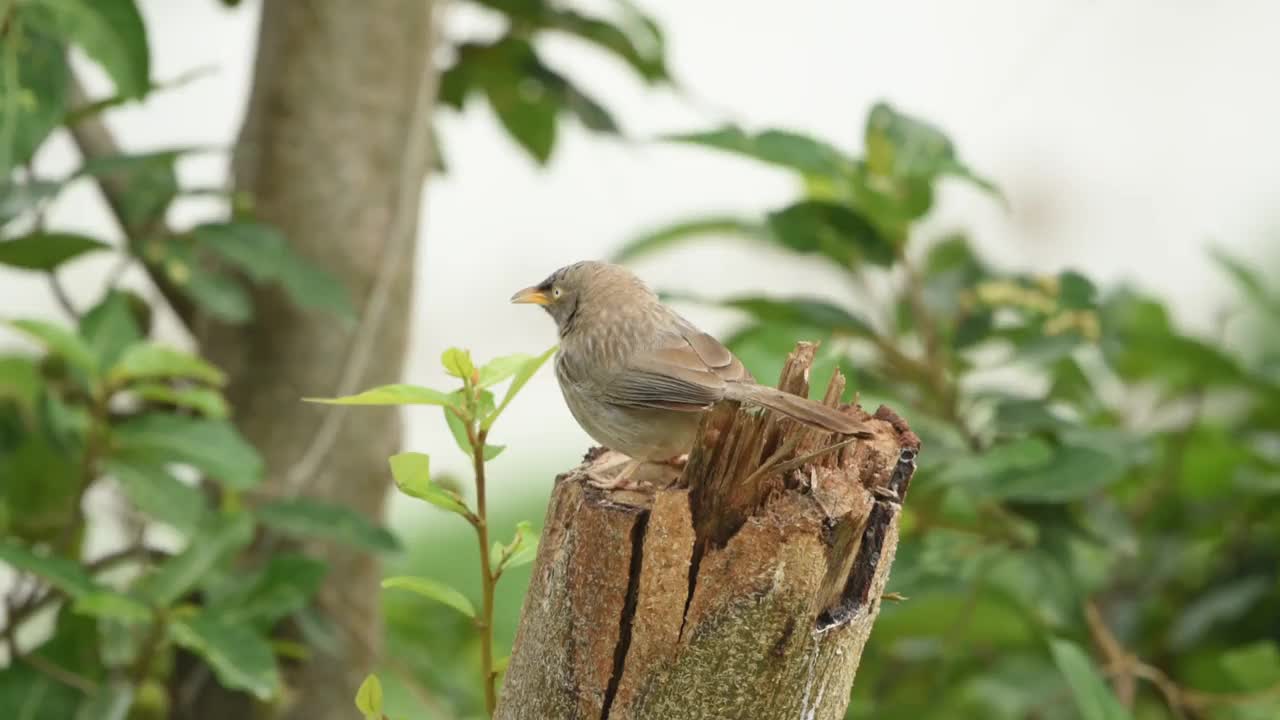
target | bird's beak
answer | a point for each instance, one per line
(531, 295)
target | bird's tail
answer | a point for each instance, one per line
(794, 406)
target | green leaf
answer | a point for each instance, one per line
(391, 395)
(1253, 667)
(836, 231)
(777, 147)
(283, 587)
(522, 377)
(20, 381)
(43, 479)
(33, 90)
(21, 196)
(521, 90)
(238, 655)
(1247, 279)
(110, 327)
(27, 694)
(1022, 415)
(640, 49)
(458, 363)
(522, 549)
(219, 536)
(312, 288)
(213, 446)
(222, 296)
(1010, 458)
(110, 605)
(151, 361)
(255, 248)
(46, 250)
(1093, 699)
(670, 236)
(66, 575)
(263, 254)
(95, 108)
(528, 111)
(1073, 472)
(802, 311)
(433, 590)
(112, 701)
(501, 368)
(369, 698)
(150, 179)
(1221, 604)
(305, 517)
(111, 32)
(156, 492)
(901, 146)
(458, 427)
(61, 342)
(209, 403)
(587, 109)
(412, 473)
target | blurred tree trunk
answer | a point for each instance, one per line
(747, 589)
(333, 152)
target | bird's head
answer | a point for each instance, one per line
(582, 285)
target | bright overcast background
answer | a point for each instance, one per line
(1128, 135)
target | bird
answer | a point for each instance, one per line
(637, 376)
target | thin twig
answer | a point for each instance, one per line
(20, 612)
(94, 140)
(1117, 657)
(61, 674)
(60, 294)
(117, 271)
(151, 646)
(487, 576)
(1123, 664)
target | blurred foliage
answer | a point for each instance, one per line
(1091, 475)
(100, 405)
(529, 96)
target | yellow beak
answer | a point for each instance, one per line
(531, 295)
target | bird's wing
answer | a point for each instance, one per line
(715, 356)
(680, 374)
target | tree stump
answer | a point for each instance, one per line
(742, 588)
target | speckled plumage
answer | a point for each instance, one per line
(636, 375)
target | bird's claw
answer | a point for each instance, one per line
(623, 479)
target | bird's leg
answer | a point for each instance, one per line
(620, 480)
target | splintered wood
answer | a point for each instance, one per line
(744, 587)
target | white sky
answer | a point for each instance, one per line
(1127, 134)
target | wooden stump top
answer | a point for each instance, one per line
(743, 587)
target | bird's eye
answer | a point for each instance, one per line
(555, 292)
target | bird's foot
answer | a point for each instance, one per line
(623, 479)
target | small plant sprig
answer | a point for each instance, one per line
(470, 413)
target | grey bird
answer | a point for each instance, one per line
(637, 376)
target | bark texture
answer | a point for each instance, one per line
(746, 587)
(333, 153)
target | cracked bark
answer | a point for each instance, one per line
(725, 593)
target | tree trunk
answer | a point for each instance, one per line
(333, 152)
(733, 592)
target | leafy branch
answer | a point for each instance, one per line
(470, 413)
